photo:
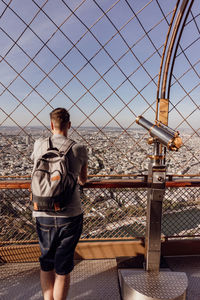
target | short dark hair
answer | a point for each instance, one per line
(60, 117)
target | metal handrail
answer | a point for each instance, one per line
(116, 181)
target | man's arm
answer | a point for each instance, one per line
(82, 178)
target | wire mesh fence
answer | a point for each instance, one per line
(16, 220)
(113, 213)
(101, 61)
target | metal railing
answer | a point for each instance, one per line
(113, 209)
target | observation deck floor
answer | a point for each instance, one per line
(90, 280)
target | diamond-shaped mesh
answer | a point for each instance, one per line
(108, 214)
(101, 61)
(114, 213)
(16, 219)
(181, 212)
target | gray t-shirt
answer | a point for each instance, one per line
(77, 158)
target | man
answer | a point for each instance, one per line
(59, 232)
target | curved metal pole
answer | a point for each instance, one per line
(169, 53)
(177, 44)
(163, 55)
(171, 47)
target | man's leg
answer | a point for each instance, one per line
(47, 280)
(61, 287)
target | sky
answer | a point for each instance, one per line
(98, 59)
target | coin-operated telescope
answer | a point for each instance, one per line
(153, 279)
(162, 137)
(158, 131)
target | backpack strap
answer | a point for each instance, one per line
(50, 145)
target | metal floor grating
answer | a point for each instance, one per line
(95, 279)
(90, 280)
(191, 266)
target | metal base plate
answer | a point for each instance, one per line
(142, 285)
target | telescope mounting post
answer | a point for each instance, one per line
(151, 283)
(156, 191)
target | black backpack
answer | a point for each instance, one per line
(52, 183)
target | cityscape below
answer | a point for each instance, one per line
(111, 151)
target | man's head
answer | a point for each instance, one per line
(60, 120)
